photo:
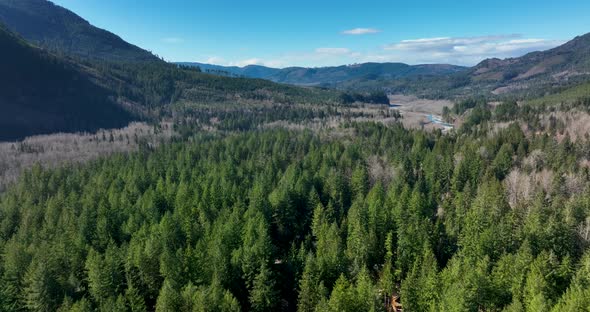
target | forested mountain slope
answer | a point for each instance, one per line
(331, 76)
(63, 32)
(157, 85)
(530, 76)
(43, 93)
(47, 92)
(40, 93)
(561, 63)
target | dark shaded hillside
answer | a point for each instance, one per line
(61, 31)
(333, 75)
(40, 93)
(93, 79)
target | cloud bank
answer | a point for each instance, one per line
(466, 51)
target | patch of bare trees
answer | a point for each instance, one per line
(57, 149)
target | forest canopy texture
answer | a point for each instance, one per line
(270, 220)
(240, 194)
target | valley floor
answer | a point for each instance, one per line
(418, 113)
(57, 149)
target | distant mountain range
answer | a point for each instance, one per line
(61, 31)
(326, 76)
(251, 71)
(531, 74)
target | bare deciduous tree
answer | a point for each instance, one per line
(56, 149)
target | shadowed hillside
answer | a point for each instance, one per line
(39, 93)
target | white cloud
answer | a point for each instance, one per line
(217, 60)
(450, 50)
(334, 51)
(361, 31)
(445, 43)
(173, 40)
(464, 50)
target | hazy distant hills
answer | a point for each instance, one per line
(333, 75)
(529, 75)
(40, 93)
(61, 31)
(250, 71)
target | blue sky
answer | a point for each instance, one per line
(324, 32)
